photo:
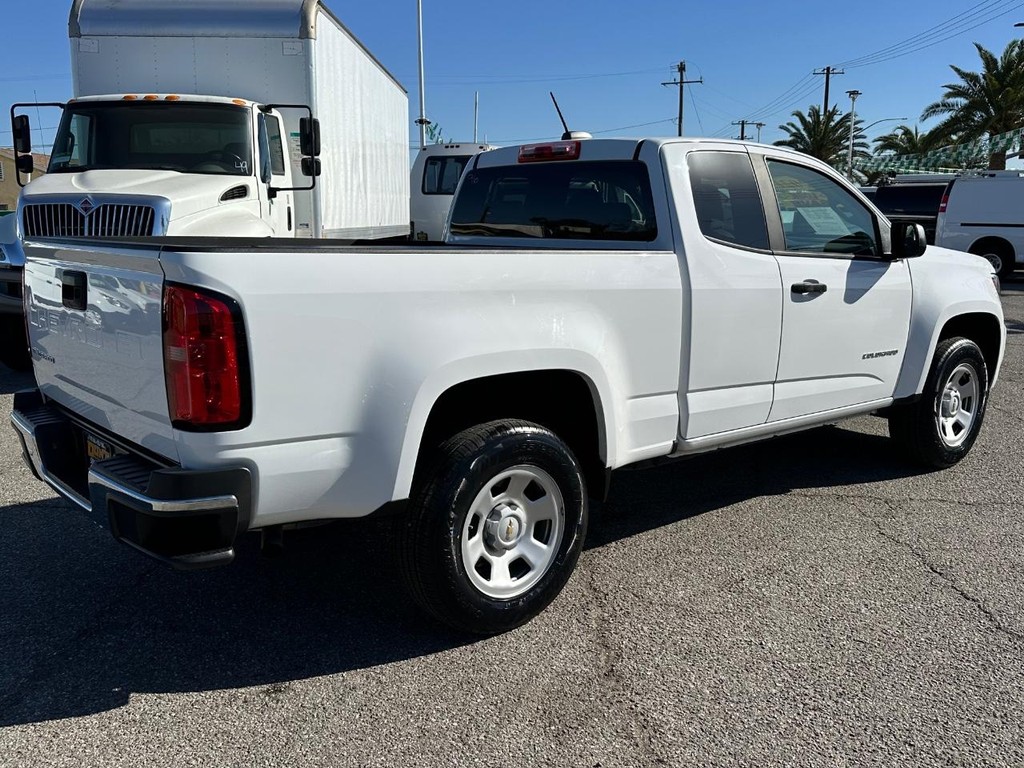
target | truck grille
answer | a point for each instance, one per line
(107, 220)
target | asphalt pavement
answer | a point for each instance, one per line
(805, 601)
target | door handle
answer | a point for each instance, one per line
(72, 289)
(808, 286)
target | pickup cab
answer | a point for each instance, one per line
(599, 303)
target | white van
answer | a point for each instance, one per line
(435, 174)
(983, 213)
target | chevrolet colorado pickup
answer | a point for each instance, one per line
(599, 303)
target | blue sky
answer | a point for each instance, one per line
(605, 61)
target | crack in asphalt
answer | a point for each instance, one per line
(610, 658)
(1006, 412)
(921, 556)
(889, 501)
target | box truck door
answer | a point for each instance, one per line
(276, 172)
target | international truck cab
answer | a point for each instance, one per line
(141, 165)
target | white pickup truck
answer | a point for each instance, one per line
(600, 303)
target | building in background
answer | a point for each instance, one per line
(9, 188)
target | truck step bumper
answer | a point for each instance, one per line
(189, 519)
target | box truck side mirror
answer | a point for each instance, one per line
(21, 128)
(309, 145)
(24, 164)
(22, 134)
(310, 166)
(309, 137)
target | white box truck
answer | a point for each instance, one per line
(187, 120)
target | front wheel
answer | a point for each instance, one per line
(939, 429)
(496, 528)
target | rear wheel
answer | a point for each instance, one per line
(939, 429)
(999, 254)
(14, 352)
(495, 529)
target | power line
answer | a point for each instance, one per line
(774, 103)
(695, 110)
(974, 17)
(464, 79)
(604, 130)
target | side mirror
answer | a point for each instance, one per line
(908, 240)
(24, 164)
(309, 137)
(310, 166)
(22, 130)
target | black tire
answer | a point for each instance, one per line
(917, 427)
(14, 351)
(430, 540)
(999, 254)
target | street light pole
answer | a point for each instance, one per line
(422, 121)
(883, 120)
(853, 122)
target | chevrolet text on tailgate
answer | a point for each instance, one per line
(600, 303)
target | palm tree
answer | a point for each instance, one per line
(983, 103)
(824, 136)
(905, 140)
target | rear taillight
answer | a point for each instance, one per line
(944, 203)
(204, 360)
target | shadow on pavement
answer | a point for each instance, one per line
(86, 622)
(12, 381)
(642, 500)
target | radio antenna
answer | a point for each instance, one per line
(567, 135)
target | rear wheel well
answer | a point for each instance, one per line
(993, 245)
(981, 328)
(563, 401)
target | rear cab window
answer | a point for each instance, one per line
(607, 200)
(726, 199)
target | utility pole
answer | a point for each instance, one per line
(743, 128)
(827, 72)
(681, 82)
(853, 122)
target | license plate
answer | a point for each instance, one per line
(98, 449)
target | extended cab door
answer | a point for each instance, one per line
(846, 308)
(733, 324)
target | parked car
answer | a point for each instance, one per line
(983, 213)
(913, 198)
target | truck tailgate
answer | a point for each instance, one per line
(95, 330)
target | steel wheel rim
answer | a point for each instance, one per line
(956, 409)
(995, 260)
(513, 532)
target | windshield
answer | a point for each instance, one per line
(173, 136)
